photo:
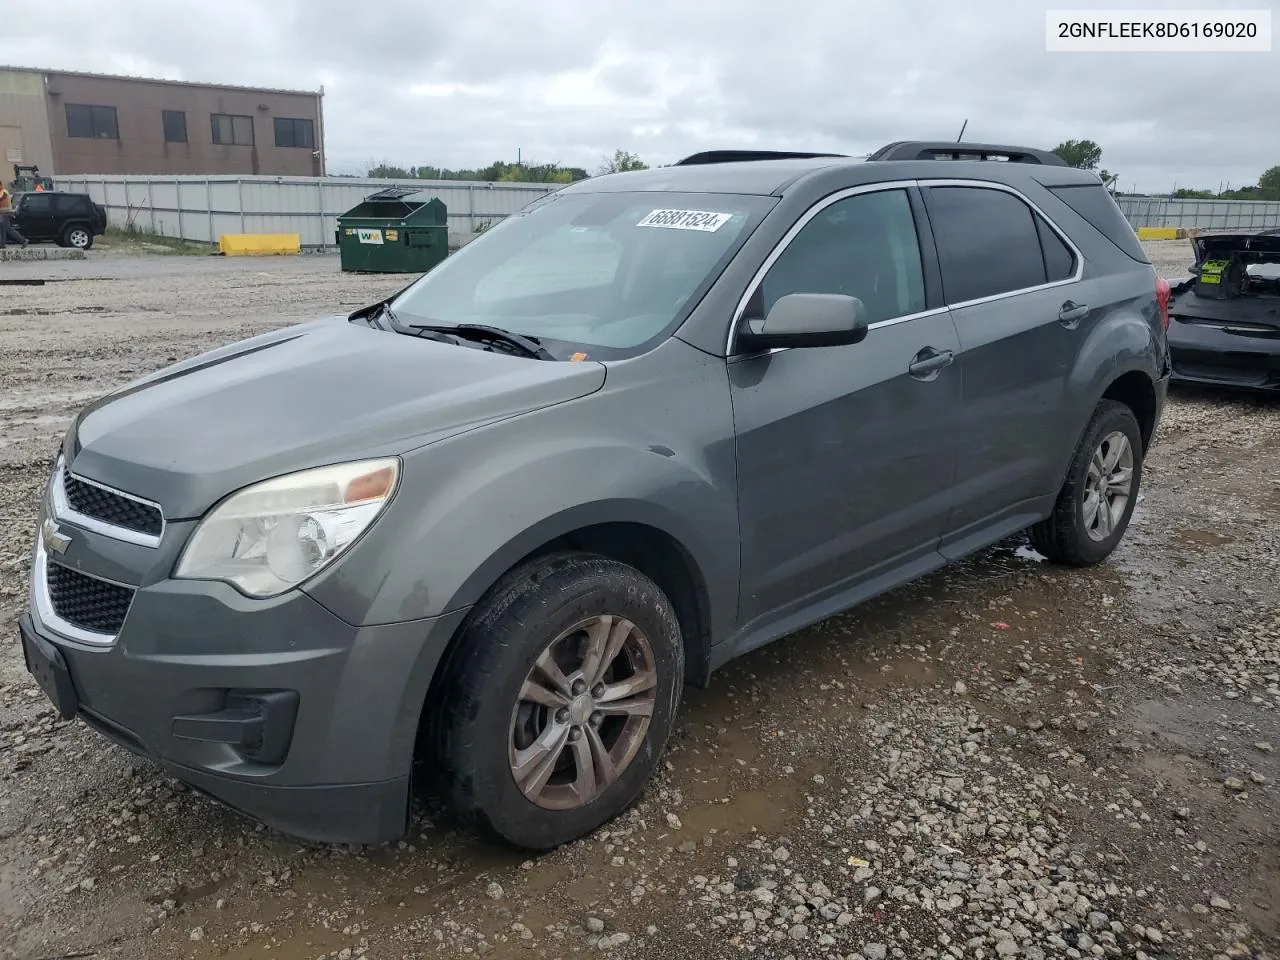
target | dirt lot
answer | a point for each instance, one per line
(1005, 759)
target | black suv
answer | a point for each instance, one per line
(52, 216)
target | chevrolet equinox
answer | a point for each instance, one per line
(486, 529)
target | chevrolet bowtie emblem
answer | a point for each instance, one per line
(54, 540)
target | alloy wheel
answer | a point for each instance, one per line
(583, 712)
(1108, 485)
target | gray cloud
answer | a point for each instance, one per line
(465, 84)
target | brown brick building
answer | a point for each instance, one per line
(75, 123)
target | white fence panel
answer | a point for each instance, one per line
(1243, 215)
(203, 208)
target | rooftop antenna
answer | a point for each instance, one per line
(965, 124)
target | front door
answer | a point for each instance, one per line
(34, 217)
(845, 454)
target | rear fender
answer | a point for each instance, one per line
(1125, 340)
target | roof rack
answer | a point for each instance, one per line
(942, 150)
(735, 156)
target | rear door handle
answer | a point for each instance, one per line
(928, 363)
(1072, 313)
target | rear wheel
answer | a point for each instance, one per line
(559, 700)
(1096, 502)
(77, 236)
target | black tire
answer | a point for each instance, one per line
(76, 235)
(473, 719)
(1063, 536)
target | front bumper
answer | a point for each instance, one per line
(1210, 355)
(276, 707)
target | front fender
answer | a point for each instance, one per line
(471, 506)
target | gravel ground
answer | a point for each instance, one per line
(1005, 759)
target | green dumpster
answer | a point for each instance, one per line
(394, 231)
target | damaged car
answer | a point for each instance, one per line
(1224, 325)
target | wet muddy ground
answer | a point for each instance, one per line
(1005, 759)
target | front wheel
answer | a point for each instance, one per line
(558, 702)
(1096, 502)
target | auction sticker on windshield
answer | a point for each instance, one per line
(703, 220)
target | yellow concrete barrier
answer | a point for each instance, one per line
(1161, 233)
(259, 244)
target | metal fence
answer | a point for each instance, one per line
(203, 208)
(1204, 214)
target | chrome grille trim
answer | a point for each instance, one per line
(62, 510)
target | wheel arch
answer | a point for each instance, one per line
(1137, 391)
(643, 544)
(633, 534)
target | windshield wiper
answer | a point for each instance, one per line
(384, 312)
(530, 346)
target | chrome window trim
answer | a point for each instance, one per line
(790, 235)
(839, 195)
(42, 603)
(62, 510)
(990, 185)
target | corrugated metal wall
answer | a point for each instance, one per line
(1205, 214)
(204, 208)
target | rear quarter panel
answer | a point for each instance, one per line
(1125, 332)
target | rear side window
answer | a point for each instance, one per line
(1093, 203)
(68, 203)
(863, 246)
(1059, 261)
(987, 240)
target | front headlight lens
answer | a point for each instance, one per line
(269, 537)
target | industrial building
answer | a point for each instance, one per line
(85, 123)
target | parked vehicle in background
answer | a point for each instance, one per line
(55, 216)
(493, 524)
(1225, 317)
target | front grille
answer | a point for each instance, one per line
(87, 602)
(119, 511)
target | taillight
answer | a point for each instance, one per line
(1162, 298)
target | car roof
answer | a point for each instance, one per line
(769, 177)
(759, 177)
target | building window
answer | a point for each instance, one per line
(96, 123)
(175, 126)
(295, 133)
(232, 129)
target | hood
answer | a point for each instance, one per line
(307, 395)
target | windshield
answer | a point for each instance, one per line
(606, 274)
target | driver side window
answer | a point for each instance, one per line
(863, 246)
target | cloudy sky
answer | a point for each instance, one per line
(465, 83)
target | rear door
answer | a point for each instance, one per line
(1009, 277)
(845, 454)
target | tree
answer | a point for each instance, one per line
(1084, 154)
(1182, 193)
(1269, 184)
(621, 162)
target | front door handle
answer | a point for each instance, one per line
(928, 363)
(1072, 313)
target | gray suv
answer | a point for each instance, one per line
(486, 530)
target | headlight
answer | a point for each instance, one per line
(271, 536)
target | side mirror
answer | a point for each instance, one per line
(807, 320)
